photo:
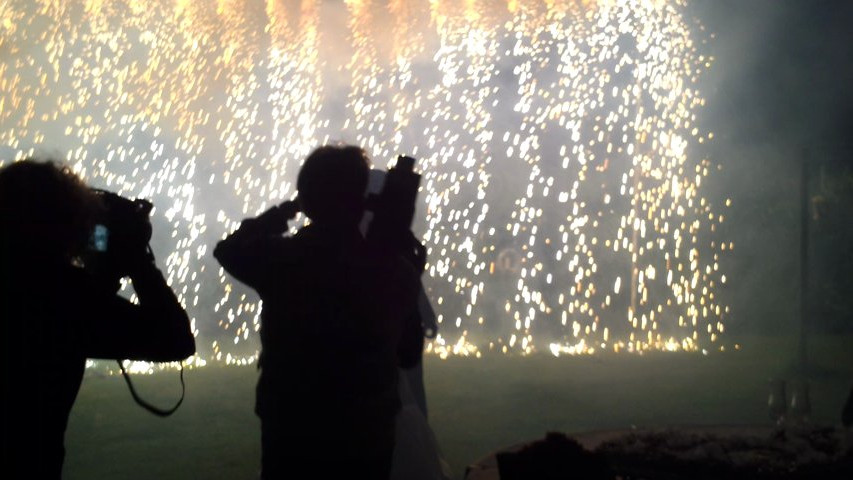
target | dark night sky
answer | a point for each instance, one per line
(783, 68)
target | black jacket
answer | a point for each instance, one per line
(338, 318)
(53, 317)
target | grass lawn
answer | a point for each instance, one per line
(476, 406)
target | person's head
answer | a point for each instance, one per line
(46, 211)
(331, 185)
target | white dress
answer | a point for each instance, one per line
(416, 452)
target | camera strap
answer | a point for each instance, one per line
(160, 412)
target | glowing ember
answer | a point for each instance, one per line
(563, 208)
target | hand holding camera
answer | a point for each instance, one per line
(275, 219)
(289, 209)
(394, 210)
(119, 242)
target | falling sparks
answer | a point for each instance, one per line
(562, 203)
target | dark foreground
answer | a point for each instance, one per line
(476, 406)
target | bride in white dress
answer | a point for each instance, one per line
(416, 452)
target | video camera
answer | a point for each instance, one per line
(393, 211)
(120, 237)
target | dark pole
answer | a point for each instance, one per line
(804, 263)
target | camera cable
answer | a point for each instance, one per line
(160, 412)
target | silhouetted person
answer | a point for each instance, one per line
(55, 314)
(337, 317)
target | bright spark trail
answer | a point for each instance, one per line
(562, 191)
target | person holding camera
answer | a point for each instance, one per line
(59, 304)
(339, 318)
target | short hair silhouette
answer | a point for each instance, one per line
(332, 183)
(45, 208)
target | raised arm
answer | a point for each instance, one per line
(246, 253)
(155, 329)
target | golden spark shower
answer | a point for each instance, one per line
(563, 198)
